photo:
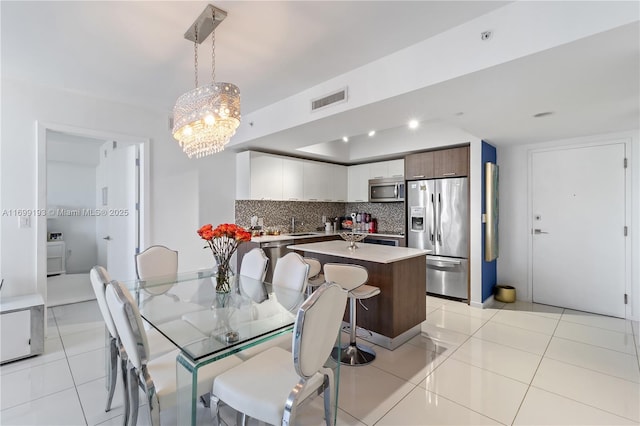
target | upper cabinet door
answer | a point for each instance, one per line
(316, 187)
(292, 179)
(358, 177)
(266, 177)
(339, 184)
(378, 170)
(419, 166)
(453, 162)
(395, 168)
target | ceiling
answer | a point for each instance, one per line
(135, 52)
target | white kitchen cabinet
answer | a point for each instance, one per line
(21, 327)
(266, 177)
(395, 168)
(56, 259)
(358, 186)
(315, 181)
(386, 169)
(292, 179)
(258, 176)
(378, 170)
(338, 183)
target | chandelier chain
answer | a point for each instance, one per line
(213, 49)
(195, 55)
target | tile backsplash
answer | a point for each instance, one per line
(391, 216)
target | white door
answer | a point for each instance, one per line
(120, 224)
(578, 208)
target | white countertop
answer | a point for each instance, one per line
(282, 237)
(367, 252)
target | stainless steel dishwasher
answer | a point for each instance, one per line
(274, 250)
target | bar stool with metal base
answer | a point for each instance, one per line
(352, 278)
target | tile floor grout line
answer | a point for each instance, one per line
(75, 386)
(536, 370)
(583, 403)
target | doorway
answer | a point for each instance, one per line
(579, 248)
(101, 220)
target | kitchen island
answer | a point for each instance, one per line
(395, 315)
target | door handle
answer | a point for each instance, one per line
(108, 238)
(539, 231)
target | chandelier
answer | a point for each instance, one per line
(205, 118)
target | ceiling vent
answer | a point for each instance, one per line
(330, 99)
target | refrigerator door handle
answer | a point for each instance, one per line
(433, 223)
(439, 225)
(444, 263)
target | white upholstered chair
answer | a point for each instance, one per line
(289, 284)
(270, 386)
(156, 261)
(290, 274)
(160, 264)
(157, 376)
(254, 264)
(352, 278)
(99, 280)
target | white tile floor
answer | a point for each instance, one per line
(520, 363)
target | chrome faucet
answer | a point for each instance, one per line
(293, 224)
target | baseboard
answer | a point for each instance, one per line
(489, 302)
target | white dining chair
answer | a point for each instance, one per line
(254, 264)
(156, 264)
(290, 281)
(157, 376)
(99, 280)
(289, 285)
(270, 386)
(156, 261)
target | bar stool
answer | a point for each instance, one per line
(352, 278)
(315, 278)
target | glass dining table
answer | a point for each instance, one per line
(207, 326)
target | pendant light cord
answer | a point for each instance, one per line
(195, 56)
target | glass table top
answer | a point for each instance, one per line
(187, 310)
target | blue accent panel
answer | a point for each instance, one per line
(489, 269)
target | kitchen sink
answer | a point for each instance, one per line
(303, 234)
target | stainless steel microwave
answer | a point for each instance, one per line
(387, 190)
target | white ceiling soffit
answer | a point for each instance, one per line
(381, 95)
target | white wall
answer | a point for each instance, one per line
(23, 104)
(514, 214)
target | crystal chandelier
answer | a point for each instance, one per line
(206, 117)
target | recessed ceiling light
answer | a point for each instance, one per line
(372, 132)
(413, 124)
(345, 139)
(543, 114)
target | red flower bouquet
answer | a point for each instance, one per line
(223, 242)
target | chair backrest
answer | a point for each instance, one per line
(100, 279)
(157, 261)
(128, 321)
(346, 275)
(290, 280)
(315, 267)
(317, 327)
(254, 264)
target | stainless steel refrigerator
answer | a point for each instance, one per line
(437, 220)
